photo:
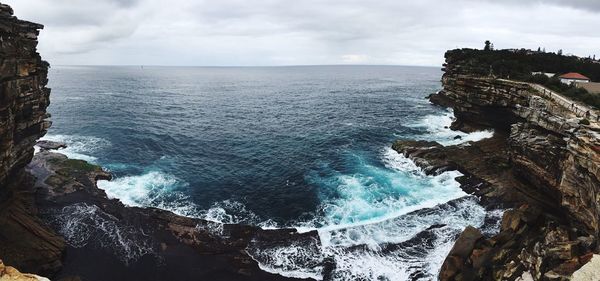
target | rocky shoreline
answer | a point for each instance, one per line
(140, 243)
(55, 220)
(541, 163)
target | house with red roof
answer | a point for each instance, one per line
(573, 77)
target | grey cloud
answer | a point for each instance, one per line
(267, 32)
(587, 5)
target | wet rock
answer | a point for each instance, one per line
(174, 247)
(50, 145)
(459, 254)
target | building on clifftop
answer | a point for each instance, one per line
(573, 77)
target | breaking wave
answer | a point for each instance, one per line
(152, 189)
(438, 129)
(388, 223)
(381, 221)
(79, 147)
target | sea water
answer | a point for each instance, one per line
(303, 146)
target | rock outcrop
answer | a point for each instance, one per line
(541, 162)
(143, 243)
(24, 240)
(9, 273)
(23, 93)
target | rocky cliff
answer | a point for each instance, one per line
(24, 240)
(541, 163)
(23, 93)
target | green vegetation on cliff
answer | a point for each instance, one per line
(519, 65)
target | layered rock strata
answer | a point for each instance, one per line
(24, 240)
(541, 162)
(23, 93)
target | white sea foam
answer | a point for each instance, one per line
(361, 225)
(229, 211)
(139, 190)
(438, 128)
(374, 209)
(297, 259)
(79, 147)
(152, 189)
(81, 224)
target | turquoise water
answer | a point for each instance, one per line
(305, 147)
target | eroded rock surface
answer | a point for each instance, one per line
(541, 162)
(142, 243)
(23, 93)
(25, 241)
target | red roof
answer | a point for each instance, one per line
(574, 75)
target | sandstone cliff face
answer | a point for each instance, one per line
(548, 148)
(555, 164)
(25, 242)
(23, 93)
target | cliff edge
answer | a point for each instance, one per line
(24, 240)
(24, 96)
(543, 164)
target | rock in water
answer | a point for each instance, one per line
(50, 145)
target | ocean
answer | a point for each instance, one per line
(301, 146)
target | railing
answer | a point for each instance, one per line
(578, 109)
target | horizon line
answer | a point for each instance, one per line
(241, 66)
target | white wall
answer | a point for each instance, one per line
(571, 81)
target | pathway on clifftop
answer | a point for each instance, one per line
(578, 109)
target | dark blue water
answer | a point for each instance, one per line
(307, 145)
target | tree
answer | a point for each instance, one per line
(487, 45)
(539, 49)
(560, 52)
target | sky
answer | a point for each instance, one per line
(301, 32)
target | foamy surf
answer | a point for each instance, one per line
(389, 238)
(81, 224)
(438, 129)
(376, 228)
(152, 189)
(79, 147)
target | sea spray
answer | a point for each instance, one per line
(438, 128)
(79, 147)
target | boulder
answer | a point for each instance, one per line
(9, 273)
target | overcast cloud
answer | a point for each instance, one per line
(284, 32)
